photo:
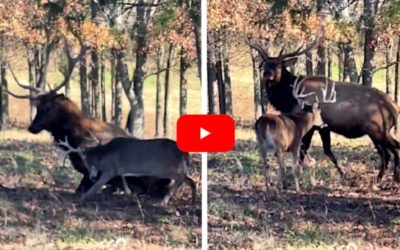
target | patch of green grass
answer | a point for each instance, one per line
(21, 163)
(310, 237)
(82, 234)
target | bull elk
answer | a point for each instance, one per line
(159, 158)
(356, 111)
(61, 117)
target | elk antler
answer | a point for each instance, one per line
(257, 47)
(72, 61)
(36, 91)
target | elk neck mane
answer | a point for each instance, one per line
(280, 94)
(75, 123)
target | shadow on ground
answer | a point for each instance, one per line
(42, 203)
(328, 212)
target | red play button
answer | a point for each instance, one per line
(205, 133)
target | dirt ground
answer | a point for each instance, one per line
(329, 212)
(39, 210)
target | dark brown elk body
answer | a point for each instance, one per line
(62, 118)
(357, 110)
(280, 134)
(159, 158)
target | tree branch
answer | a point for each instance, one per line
(385, 67)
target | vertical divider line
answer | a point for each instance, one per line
(204, 100)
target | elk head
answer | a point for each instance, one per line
(49, 104)
(48, 110)
(275, 67)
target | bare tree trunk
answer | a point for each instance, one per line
(4, 95)
(309, 64)
(118, 100)
(68, 89)
(397, 72)
(103, 88)
(113, 85)
(135, 95)
(195, 17)
(220, 82)
(117, 89)
(167, 91)
(340, 63)
(227, 79)
(256, 84)
(321, 50)
(369, 46)
(159, 101)
(31, 78)
(85, 95)
(388, 79)
(329, 57)
(211, 74)
(349, 64)
(184, 64)
(94, 78)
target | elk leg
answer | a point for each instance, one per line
(385, 157)
(281, 174)
(326, 143)
(104, 178)
(306, 143)
(394, 148)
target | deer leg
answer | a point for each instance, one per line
(192, 185)
(263, 154)
(295, 164)
(281, 174)
(85, 184)
(326, 142)
(171, 191)
(104, 178)
(126, 187)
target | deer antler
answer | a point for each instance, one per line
(70, 149)
(94, 137)
(332, 96)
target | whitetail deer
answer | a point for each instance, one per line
(135, 157)
(283, 133)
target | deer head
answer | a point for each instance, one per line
(93, 172)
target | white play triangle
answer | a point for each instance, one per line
(203, 133)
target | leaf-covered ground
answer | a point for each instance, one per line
(329, 213)
(38, 208)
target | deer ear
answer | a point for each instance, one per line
(290, 61)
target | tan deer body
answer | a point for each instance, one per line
(283, 133)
